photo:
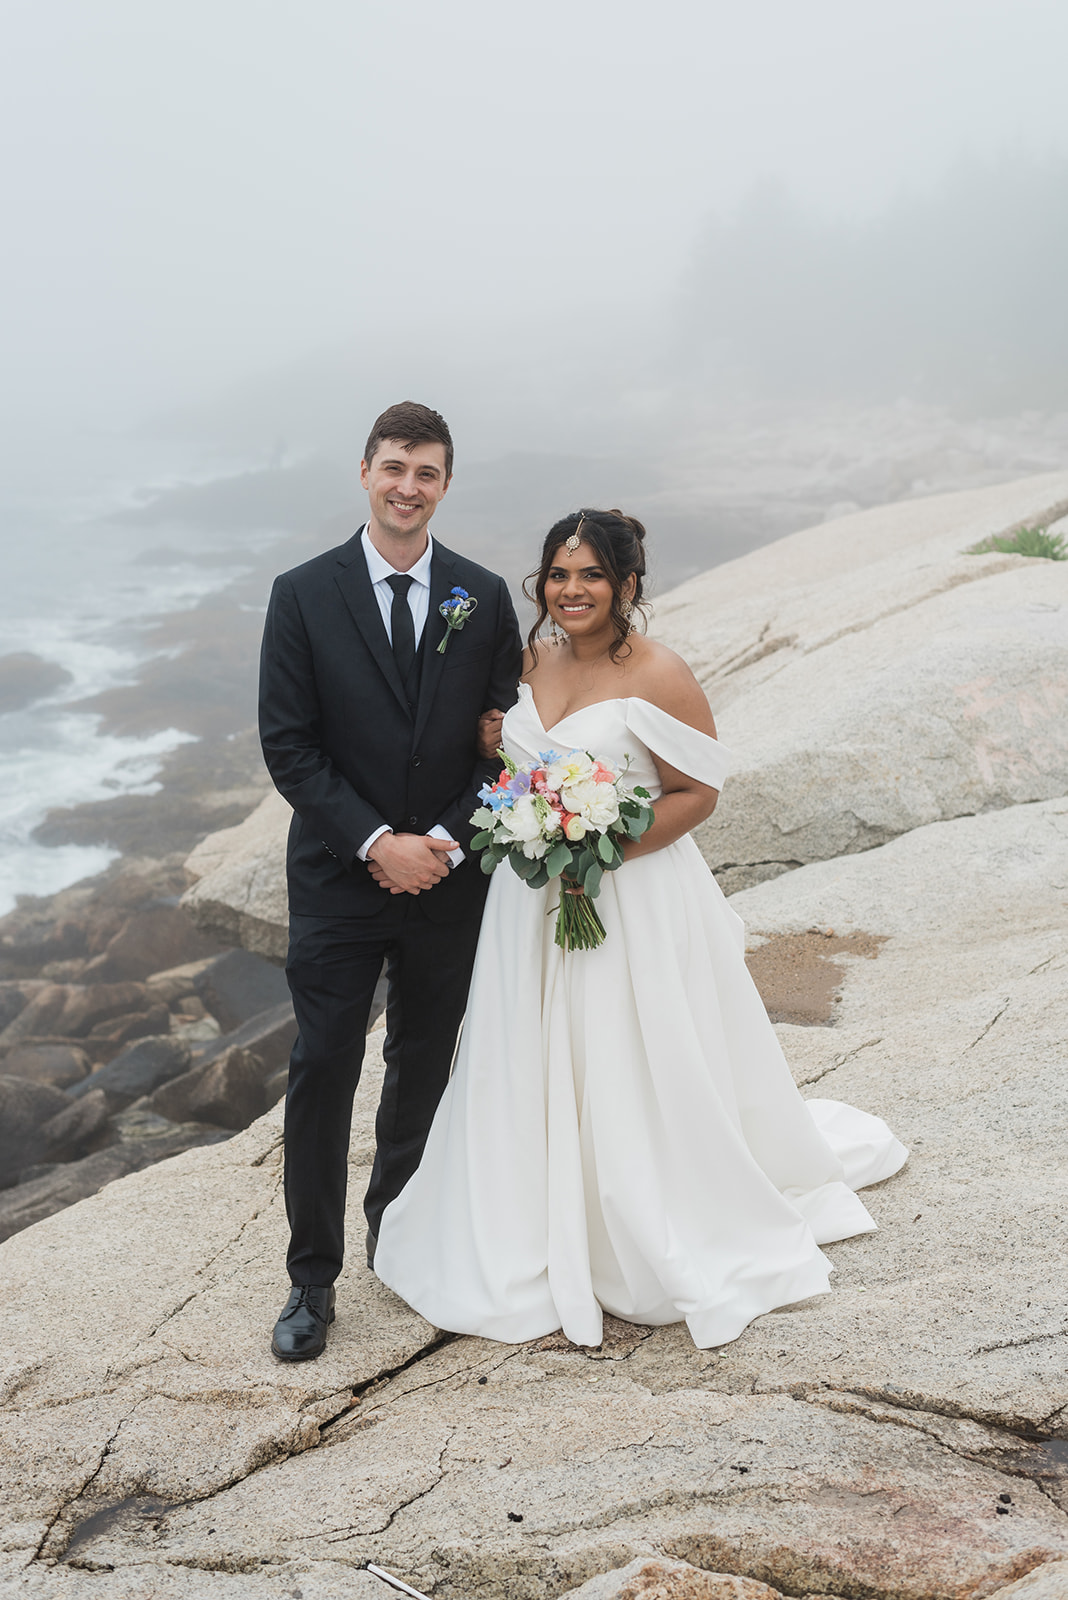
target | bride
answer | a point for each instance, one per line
(621, 1132)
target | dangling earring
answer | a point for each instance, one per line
(555, 636)
(627, 608)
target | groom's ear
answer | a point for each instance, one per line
(363, 472)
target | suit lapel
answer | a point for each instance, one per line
(354, 581)
(442, 578)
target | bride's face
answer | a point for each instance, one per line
(578, 592)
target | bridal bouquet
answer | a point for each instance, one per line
(564, 817)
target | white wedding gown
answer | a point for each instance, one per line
(621, 1131)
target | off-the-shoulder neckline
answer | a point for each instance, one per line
(610, 700)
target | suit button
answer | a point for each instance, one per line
(417, 761)
(412, 821)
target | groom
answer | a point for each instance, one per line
(369, 731)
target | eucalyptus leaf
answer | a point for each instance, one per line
(558, 860)
(605, 848)
(481, 840)
(592, 880)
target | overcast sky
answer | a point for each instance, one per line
(195, 190)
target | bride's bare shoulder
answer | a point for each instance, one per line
(534, 657)
(661, 676)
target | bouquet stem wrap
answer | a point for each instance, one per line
(578, 927)
(567, 817)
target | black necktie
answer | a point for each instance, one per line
(402, 628)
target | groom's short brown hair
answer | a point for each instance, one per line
(410, 423)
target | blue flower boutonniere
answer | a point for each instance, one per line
(456, 610)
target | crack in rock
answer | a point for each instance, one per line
(988, 1027)
(1017, 1344)
(363, 1390)
(259, 1160)
(839, 1061)
(58, 1554)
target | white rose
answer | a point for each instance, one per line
(521, 822)
(596, 803)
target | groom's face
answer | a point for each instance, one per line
(404, 483)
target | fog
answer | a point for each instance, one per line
(560, 223)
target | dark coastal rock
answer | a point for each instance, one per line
(99, 1002)
(61, 1065)
(152, 940)
(24, 1108)
(228, 1092)
(269, 1035)
(55, 1189)
(138, 1070)
(73, 1010)
(176, 984)
(26, 677)
(15, 996)
(37, 1016)
(77, 924)
(121, 1030)
(77, 1129)
(237, 986)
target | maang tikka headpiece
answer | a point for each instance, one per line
(573, 540)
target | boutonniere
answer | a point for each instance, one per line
(456, 610)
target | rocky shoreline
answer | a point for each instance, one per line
(126, 1036)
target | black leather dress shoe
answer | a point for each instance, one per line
(300, 1332)
(372, 1246)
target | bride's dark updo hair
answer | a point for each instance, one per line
(619, 544)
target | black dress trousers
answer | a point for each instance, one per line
(333, 967)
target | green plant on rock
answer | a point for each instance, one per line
(1024, 542)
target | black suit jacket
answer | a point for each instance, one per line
(344, 747)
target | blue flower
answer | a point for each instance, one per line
(496, 799)
(456, 610)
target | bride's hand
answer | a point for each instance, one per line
(489, 733)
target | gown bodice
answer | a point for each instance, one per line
(616, 730)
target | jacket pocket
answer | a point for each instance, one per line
(478, 656)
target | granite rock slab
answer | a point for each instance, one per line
(904, 1437)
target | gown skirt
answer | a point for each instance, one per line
(621, 1132)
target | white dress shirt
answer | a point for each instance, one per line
(418, 590)
(419, 601)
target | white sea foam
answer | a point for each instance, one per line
(79, 592)
(65, 761)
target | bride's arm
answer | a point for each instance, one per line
(683, 804)
(666, 681)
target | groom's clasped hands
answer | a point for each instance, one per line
(409, 863)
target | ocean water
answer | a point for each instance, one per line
(81, 588)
